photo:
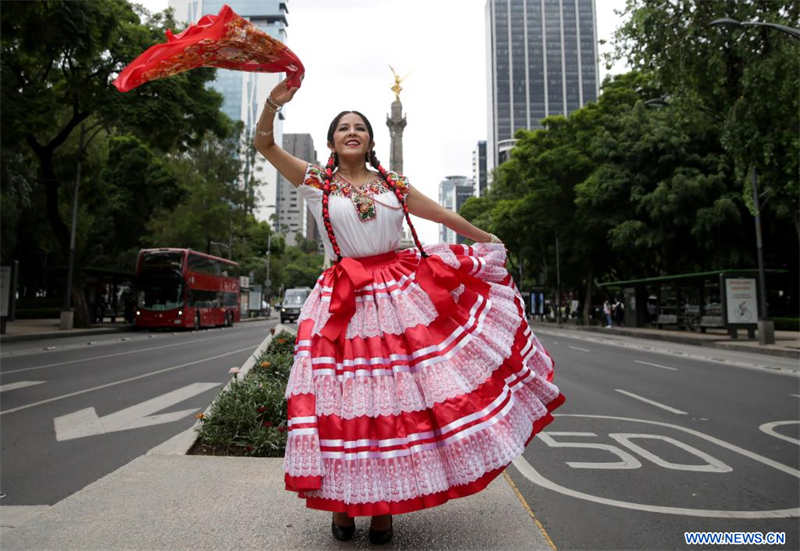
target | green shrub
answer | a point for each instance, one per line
(249, 418)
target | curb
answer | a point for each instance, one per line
(181, 443)
(64, 334)
(85, 332)
(793, 354)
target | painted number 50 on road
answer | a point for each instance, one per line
(627, 460)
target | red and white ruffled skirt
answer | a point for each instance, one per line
(415, 380)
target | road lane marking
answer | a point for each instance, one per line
(712, 464)
(578, 348)
(123, 381)
(656, 365)
(635, 343)
(627, 461)
(86, 422)
(530, 511)
(769, 428)
(19, 384)
(527, 470)
(101, 357)
(651, 402)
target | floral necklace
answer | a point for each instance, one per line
(361, 196)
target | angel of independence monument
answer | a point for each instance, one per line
(396, 122)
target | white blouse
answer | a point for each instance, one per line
(366, 221)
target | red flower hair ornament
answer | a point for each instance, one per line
(225, 40)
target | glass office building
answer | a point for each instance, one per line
(244, 92)
(453, 193)
(479, 172)
(542, 61)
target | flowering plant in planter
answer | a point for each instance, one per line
(249, 418)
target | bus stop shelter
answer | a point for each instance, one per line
(695, 301)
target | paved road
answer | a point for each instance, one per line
(649, 446)
(74, 410)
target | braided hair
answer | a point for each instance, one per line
(372, 159)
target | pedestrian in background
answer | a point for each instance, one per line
(619, 312)
(416, 377)
(607, 312)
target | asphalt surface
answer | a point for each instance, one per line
(651, 445)
(73, 410)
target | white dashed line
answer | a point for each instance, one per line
(19, 384)
(656, 365)
(578, 348)
(651, 402)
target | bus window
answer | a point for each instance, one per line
(162, 261)
(160, 295)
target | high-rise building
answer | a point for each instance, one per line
(244, 92)
(292, 214)
(542, 61)
(479, 173)
(453, 192)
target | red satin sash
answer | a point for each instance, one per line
(433, 275)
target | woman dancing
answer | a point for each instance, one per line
(416, 377)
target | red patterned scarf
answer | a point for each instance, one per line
(225, 40)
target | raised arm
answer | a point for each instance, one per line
(292, 168)
(421, 205)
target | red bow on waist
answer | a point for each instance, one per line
(348, 275)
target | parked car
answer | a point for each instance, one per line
(293, 300)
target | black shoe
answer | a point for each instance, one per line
(380, 537)
(343, 533)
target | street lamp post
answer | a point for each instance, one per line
(67, 314)
(268, 282)
(766, 328)
(791, 31)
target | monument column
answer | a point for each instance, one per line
(396, 123)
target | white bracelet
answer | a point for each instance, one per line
(265, 134)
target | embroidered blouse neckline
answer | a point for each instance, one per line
(374, 178)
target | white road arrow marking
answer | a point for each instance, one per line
(19, 384)
(85, 422)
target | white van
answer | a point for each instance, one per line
(293, 300)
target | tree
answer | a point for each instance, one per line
(745, 80)
(212, 207)
(54, 81)
(629, 191)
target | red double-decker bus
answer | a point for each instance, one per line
(185, 288)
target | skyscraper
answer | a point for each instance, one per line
(542, 61)
(293, 216)
(479, 172)
(244, 92)
(453, 192)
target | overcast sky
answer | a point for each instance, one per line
(347, 47)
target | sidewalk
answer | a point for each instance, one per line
(787, 343)
(190, 502)
(42, 329)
